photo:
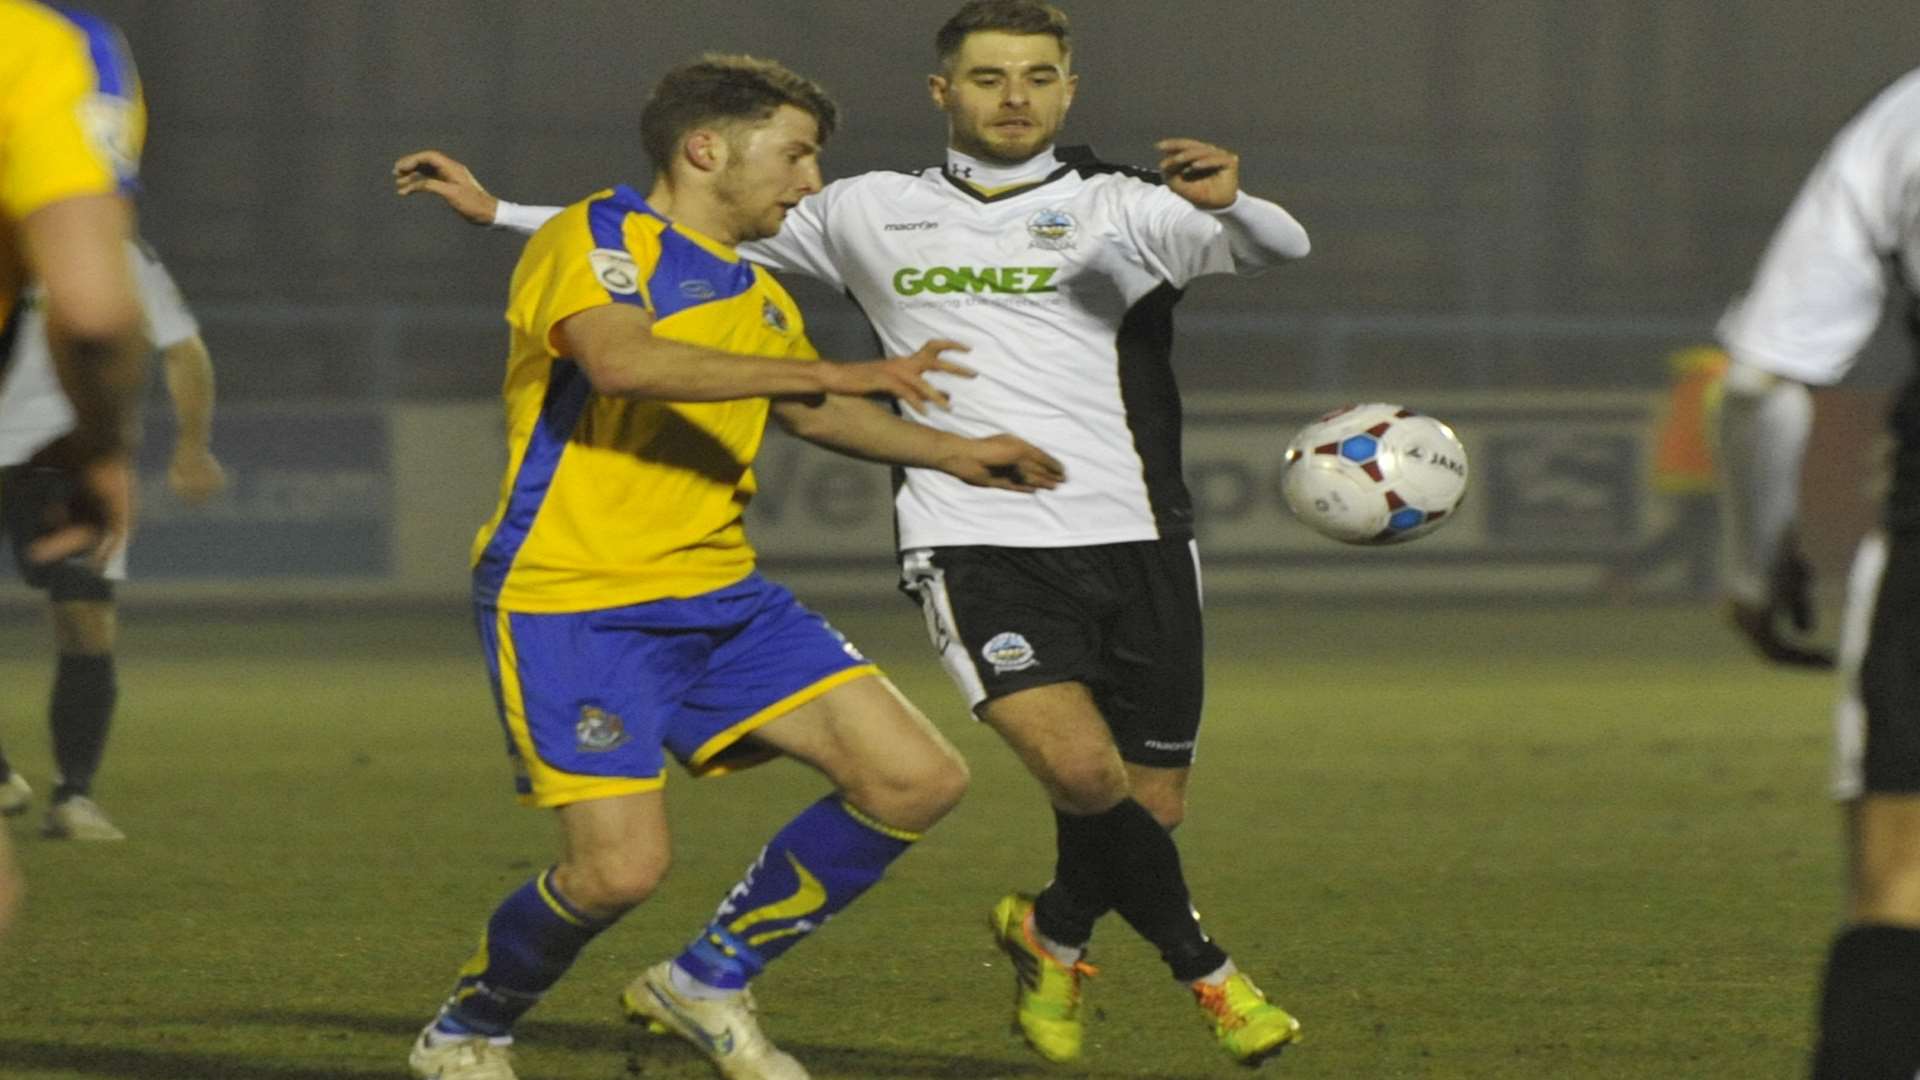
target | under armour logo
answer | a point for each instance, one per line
(964, 172)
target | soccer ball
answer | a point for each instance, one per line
(1374, 474)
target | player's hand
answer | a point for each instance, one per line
(1201, 173)
(1006, 462)
(902, 377)
(1789, 600)
(95, 521)
(194, 474)
(435, 172)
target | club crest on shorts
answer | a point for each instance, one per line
(1054, 230)
(599, 730)
(1008, 652)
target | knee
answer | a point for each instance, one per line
(914, 792)
(84, 627)
(607, 886)
(1086, 786)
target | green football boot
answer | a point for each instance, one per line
(1250, 1028)
(1046, 993)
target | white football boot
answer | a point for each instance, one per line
(453, 1057)
(724, 1029)
(79, 818)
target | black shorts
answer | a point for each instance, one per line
(1124, 619)
(28, 495)
(1889, 680)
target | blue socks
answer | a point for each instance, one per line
(530, 942)
(818, 864)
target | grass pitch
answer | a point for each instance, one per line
(1538, 843)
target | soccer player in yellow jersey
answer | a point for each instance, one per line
(71, 126)
(617, 599)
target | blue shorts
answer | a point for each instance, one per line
(591, 700)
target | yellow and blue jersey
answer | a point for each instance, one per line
(609, 502)
(72, 119)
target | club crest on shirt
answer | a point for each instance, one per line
(698, 289)
(615, 270)
(1008, 652)
(774, 317)
(1054, 230)
(599, 730)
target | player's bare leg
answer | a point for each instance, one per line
(894, 776)
(1113, 853)
(1163, 791)
(615, 851)
(1869, 994)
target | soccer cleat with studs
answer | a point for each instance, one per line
(1046, 993)
(724, 1029)
(1250, 1028)
(79, 818)
(438, 1056)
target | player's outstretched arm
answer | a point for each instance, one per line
(622, 357)
(1765, 422)
(859, 428)
(435, 173)
(1260, 233)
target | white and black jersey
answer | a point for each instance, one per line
(1061, 280)
(1063, 288)
(34, 409)
(1852, 232)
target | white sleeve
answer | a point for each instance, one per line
(1818, 294)
(169, 320)
(803, 245)
(1764, 425)
(1181, 242)
(525, 220)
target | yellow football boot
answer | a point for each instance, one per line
(1250, 1028)
(1046, 993)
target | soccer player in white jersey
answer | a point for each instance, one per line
(1851, 235)
(36, 477)
(1070, 620)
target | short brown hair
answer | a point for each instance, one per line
(722, 89)
(1006, 16)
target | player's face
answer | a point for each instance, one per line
(1005, 95)
(770, 167)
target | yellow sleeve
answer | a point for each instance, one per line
(64, 137)
(564, 271)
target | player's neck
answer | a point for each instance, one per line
(989, 176)
(694, 211)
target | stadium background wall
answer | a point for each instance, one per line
(366, 503)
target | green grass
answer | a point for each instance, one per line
(1540, 843)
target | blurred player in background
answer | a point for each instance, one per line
(72, 122)
(616, 593)
(35, 479)
(1070, 621)
(1682, 474)
(1851, 234)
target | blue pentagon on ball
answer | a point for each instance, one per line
(1359, 448)
(1405, 519)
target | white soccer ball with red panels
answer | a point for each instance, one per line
(1375, 474)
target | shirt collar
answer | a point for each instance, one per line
(988, 175)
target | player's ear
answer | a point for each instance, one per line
(937, 86)
(705, 150)
(1073, 87)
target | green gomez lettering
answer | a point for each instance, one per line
(912, 280)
